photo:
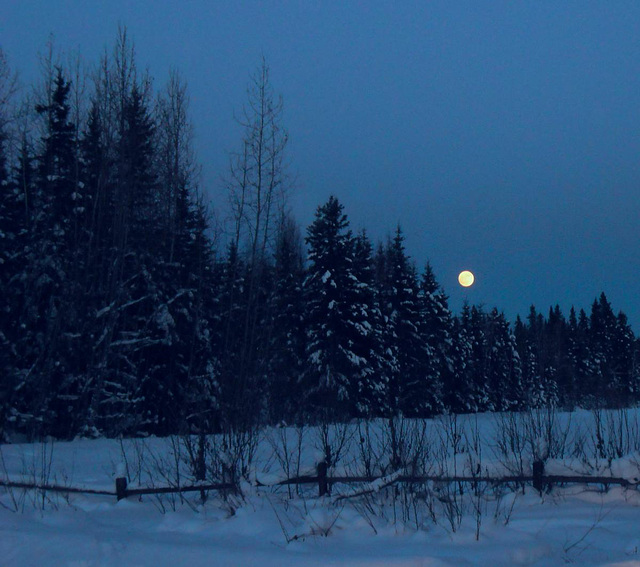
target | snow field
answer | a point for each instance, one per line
(424, 524)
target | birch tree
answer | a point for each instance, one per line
(256, 186)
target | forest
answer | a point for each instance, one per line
(129, 310)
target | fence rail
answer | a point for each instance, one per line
(54, 488)
(123, 491)
(538, 479)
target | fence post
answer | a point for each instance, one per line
(323, 485)
(538, 473)
(121, 488)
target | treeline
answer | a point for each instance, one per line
(125, 313)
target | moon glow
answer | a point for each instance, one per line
(466, 278)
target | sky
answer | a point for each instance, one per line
(502, 136)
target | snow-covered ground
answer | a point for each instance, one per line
(583, 525)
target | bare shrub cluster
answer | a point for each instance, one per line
(452, 471)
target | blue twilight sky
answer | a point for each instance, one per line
(504, 136)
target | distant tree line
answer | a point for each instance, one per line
(124, 311)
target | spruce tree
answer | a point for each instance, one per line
(19, 256)
(602, 330)
(556, 369)
(203, 335)
(437, 329)
(542, 357)
(371, 379)
(232, 294)
(579, 333)
(58, 194)
(610, 341)
(476, 323)
(285, 353)
(624, 365)
(412, 391)
(10, 267)
(51, 306)
(332, 320)
(504, 377)
(133, 320)
(97, 180)
(459, 389)
(533, 389)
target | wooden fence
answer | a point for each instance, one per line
(538, 479)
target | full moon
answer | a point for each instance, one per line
(466, 278)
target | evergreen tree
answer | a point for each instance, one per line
(332, 330)
(51, 301)
(571, 392)
(232, 293)
(532, 383)
(11, 230)
(371, 379)
(624, 366)
(412, 389)
(602, 331)
(286, 333)
(97, 180)
(540, 346)
(558, 385)
(139, 220)
(610, 341)
(19, 352)
(459, 389)
(475, 323)
(437, 328)
(58, 194)
(203, 336)
(504, 376)
(132, 323)
(579, 333)
(180, 388)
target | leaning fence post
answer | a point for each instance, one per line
(121, 488)
(538, 473)
(323, 485)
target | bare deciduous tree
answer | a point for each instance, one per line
(258, 172)
(257, 185)
(8, 88)
(178, 169)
